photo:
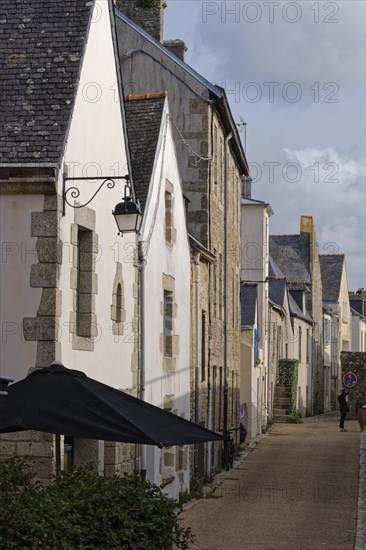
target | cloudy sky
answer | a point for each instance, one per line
(295, 73)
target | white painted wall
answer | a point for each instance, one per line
(17, 298)
(358, 333)
(96, 146)
(305, 364)
(255, 267)
(345, 313)
(174, 261)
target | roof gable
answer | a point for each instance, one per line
(331, 267)
(42, 49)
(143, 121)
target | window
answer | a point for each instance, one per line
(168, 323)
(118, 313)
(300, 343)
(168, 217)
(344, 313)
(119, 303)
(222, 161)
(203, 345)
(215, 288)
(215, 155)
(233, 305)
(83, 279)
(307, 346)
(327, 331)
(221, 287)
(85, 259)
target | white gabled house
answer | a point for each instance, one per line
(67, 285)
(165, 270)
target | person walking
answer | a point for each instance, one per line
(344, 409)
(361, 410)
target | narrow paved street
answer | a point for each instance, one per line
(298, 489)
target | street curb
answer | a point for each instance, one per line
(360, 543)
(221, 476)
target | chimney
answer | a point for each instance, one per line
(177, 47)
(307, 227)
(147, 14)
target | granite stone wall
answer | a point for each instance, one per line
(356, 363)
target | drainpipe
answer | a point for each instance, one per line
(209, 411)
(141, 268)
(197, 369)
(226, 295)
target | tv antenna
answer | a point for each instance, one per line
(242, 125)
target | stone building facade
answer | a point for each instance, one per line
(298, 258)
(62, 272)
(212, 165)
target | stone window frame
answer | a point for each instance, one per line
(169, 362)
(169, 200)
(83, 335)
(118, 311)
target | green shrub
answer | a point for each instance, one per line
(83, 510)
(294, 419)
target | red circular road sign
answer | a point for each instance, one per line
(350, 379)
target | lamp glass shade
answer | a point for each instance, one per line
(128, 216)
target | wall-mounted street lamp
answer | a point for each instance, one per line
(128, 213)
(4, 382)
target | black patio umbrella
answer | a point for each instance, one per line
(64, 401)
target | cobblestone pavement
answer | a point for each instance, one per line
(298, 488)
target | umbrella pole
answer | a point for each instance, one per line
(58, 453)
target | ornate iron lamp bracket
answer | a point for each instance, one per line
(74, 192)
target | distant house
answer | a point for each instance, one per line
(290, 340)
(252, 388)
(254, 270)
(336, 295)
(357, 302)
(297, 258)
(67, 294)
(165, 271)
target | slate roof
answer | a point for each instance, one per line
(356, 313)
(274, 270)
(358, 303)
(291, 254)
(277, 291)
(295, 311)
(42, 44)
(248, 305)
(143, 121)
(331, 266)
